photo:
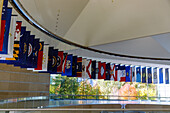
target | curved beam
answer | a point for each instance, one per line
(22, 11)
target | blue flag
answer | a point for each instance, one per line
(79, 67)
(144, 75)
(155, 76)
(93, 70)
(74, 70)
(127, 73)
(107, 71)
(138, 74)
(50, 59)
(53, 69)
(36, 47)
(68, 68)
(167, 76)
(149, 75)
(161, 76)
(6, 34)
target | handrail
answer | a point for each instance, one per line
(22, 11)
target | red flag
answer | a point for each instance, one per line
(102, 70)
(59, 61)
(113, 72)
(79, 67)
(2, 33)
(18, 30)
(64, 62)
(88, 67)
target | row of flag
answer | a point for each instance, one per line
(20, 48)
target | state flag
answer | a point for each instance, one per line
(40, 56)
(3, 23)
(144, 75)
(132, 74)
(79, 67)
(64, 62)
(4, 46)
(167, 76)
(11, 38)
(149, 75)
(59, 62)
(74, 64)
(93, 70)
(53, 69)
(107, 71)
(121, 73)
(138, 74)
(84, 68)
(50, 59)
(161, 75)
(102, 70)
(97, 69)
(155, 76)
(35, 52)
(69, 62)
(88, 68)
(127, 73)
(113, 72)
(1, 6)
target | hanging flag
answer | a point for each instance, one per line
(79, 67)
(59, 62)
(144, 75)
(68, 70)
(4, 49)
(113, 72)
(84, 68)
(149, 75)
(133, 74)
(107, 71)
(11, 38)
(161, 75)
(121, 73)
(97, 69)
(35, 52)
(166, 76)
(40, 56)
(50, 59)
(3, 22)
(53, 69)
(93, 70)
(102, 70)
(74, 64)
(88, 68)
(64, 63)
(155, 76)
(138, 74)
(127, 73)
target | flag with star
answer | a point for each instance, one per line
(59, 62)
(167, 76)
(155, 76)
(138, 74)
(127, 73)
(107, 71)
(149, 75)
(121, 73)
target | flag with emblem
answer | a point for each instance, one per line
(113, 72)
(11, 38)
(84, 68)
(102, 70)
(167, 76)
(128, 74)
(3, 23)
(138, 74)
(161, 75)
(97, 69)
(40, 56)
(121, 73)
(74, 64)
(88, 68)
(36, 47)
(59, 62)
(149, 75)
(132, 73)
(79, 67)
(144, 75)
(93, 70)
(155, 76)
(107, 71)
(68, 70)
(64, 62)
(50, 59)
(4, 49)
(53, 69)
